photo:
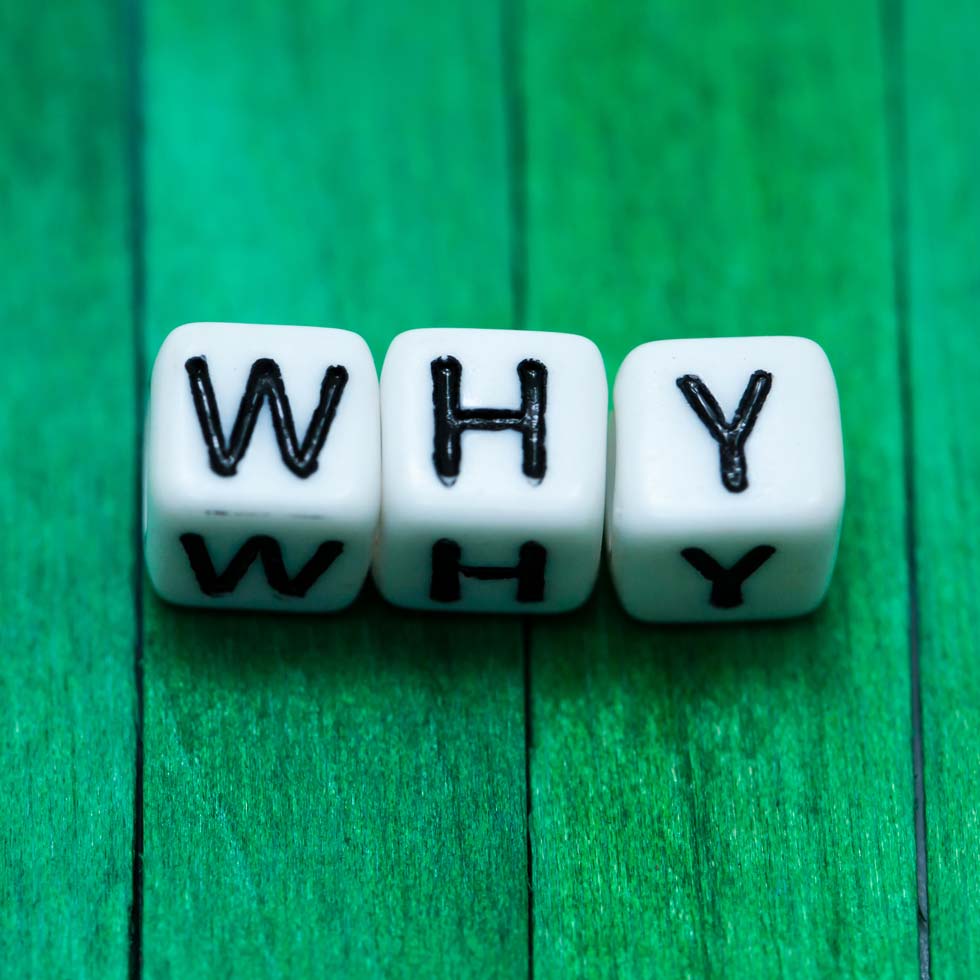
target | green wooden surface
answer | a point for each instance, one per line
(337, 796)
(942, 245)
(67, 693)
(729, 802)
(347, 796)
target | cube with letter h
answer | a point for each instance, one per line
(493, 449)
(726, 479)
(262, 468)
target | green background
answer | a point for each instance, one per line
(385, 794)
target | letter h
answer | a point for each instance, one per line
(447, 567)
(451, 419)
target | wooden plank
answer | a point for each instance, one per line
(330, 796)
(943, 241)
(738, 801)
(66, 496)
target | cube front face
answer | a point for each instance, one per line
(493, 447)
(262, 467)
(726, 479)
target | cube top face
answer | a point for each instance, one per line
(262, 467)
(326, 381)
(671, 468)
(727, 479)
(491, 440)
(494, 477)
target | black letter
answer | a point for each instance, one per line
(731, 437)
(451, 420)
(214, 583)
(447, 567)
(264, 382)
(726, 583)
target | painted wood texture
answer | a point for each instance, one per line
(67, 693)
(737, 801)
(329, 796)
(941, 246)
(346, 796)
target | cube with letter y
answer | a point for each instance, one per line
(493, 448)
(262, 467)
(726, 479)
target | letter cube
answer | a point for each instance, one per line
(726, 479)
(493, 463)
(262, 467)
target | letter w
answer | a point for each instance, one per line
(264, 383)
(215, 583)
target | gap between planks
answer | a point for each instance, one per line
(893, 42)
(133, 40)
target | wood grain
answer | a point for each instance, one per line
(346, 796)
(66, 496)
(941, 249)
(330, 796)
(725, 802)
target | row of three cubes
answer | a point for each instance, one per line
(480, 474)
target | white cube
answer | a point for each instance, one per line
(262, 467)
(493, 470)
(726, 479)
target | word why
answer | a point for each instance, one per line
(450, 419)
